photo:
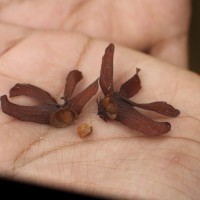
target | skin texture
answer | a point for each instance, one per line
(116, 161)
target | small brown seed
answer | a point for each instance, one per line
(84, 130)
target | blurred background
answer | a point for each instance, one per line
(194, 39)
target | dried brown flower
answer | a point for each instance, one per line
(49, 111)
(117, 106)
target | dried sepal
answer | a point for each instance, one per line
(106, 78)
(38, 114)
(130, 117)
(32, 91)
(78, 102)
(131, 87)
(72, 79)
(159, 106)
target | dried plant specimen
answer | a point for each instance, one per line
(117, 106)
(48, 111)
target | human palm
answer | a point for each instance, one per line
(114, 160)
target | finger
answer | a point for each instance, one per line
(173, 50)
(148, 33)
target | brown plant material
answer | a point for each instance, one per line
(84, 130)
(117, 106)
(49, 111)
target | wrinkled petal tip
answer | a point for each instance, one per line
(13, 90)
(4, 103)
(176, 113)
(111, 47)
(173, 112)
(3, 97)
(168, 125)
(138, 70)
(17, 85)
(161, 129)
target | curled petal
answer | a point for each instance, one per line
(158, 106)
(71, 81)
(32, 91)
(78, 102)
(131, 87)
(106, 74)
(39, 114)
(130, 117)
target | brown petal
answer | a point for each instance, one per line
(32, 91)
(106, 74)
(72, 79)
(132, 86)
(135, 120)
(158, 106)
(78, 102)
(38, 114)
